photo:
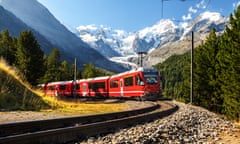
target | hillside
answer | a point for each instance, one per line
(14, 94)
(39, 18)
(161, 54)
(15, 26)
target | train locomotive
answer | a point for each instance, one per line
(141, 83)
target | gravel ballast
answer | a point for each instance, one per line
(190, 124)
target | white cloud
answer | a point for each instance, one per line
(202, 4)
(187, 17)
(192, 10)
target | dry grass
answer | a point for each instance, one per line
(238, 123)
(10, 70)
(14, 73)
(68, 108)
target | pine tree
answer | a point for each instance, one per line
(53, 64)
(29, 57)
(206, 73)
(229, 67)
(89, 71)
(186, 78)
(173, 73)
(66, 73)
(8, 47)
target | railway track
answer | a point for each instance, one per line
(64, 130)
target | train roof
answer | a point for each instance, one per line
(99, 78)
(149, 70)
(60, 82)
(140, 69)
(96, 78)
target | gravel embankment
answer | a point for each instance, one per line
(189, 124)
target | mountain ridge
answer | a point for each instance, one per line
(15, 26)
(36, 16)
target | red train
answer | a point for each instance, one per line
(140, 84)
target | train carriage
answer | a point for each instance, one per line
(62, 88)
(124, 85)
(50, 89)
(98, 87)
(152, 88)
(140, 83)
(93, 87)
(80, 88)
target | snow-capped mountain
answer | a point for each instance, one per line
(107, 41)
(115, 43)
(201, 27)
(159, 34)
(204, 23)
(36, 16)
(112, 43)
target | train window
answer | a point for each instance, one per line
(128, 81)
(96, 85)
(51, 88)
(151, 79)
(62, 87)
(113, 83)
(100, 84)
(90, 85)
(77, 87)
(139, 81)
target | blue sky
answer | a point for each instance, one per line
(133, 15)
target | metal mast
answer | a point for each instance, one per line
(192, 58)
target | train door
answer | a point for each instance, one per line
(84, 89)
(121, 87)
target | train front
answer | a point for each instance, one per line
(152, 89)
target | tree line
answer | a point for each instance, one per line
(216, 72)
(24, 53)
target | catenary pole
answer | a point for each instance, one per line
(75, 78)
(192, 68)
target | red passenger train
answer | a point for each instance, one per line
(141, 83)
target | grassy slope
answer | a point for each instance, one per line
(15, 94)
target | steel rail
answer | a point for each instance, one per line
(79, 132)
(40, 125)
